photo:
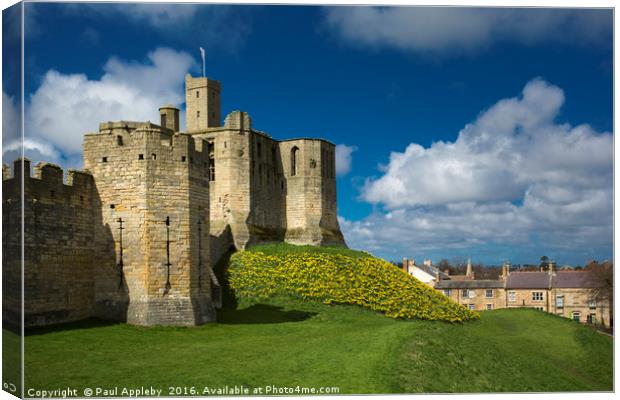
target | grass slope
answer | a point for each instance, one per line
(289, 342)
(338, 276)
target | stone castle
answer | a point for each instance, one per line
(135, 236)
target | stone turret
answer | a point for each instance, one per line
(202, 102)
(169, 117)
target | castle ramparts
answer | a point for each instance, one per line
(136, 235)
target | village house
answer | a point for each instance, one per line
(566, 293)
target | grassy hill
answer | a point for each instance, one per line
(334, 275)
(290, 342)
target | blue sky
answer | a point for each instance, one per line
(461, 132)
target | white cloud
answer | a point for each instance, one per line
(344, 158)
(513, 176)
(158, 15)
(66, 106)
(10, 120)
(456, 30)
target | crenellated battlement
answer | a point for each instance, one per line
(49, 174)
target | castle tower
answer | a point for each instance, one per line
(169, 117)
(154, 196)
(202, 102)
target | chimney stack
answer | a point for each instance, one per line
(470, 272)
(551, 267)
(437, 278)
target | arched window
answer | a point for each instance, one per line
(294, 155)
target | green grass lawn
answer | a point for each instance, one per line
(288, 343)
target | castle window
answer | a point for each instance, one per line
(197, 94)
(211, 169)
(183, 158)
(225, 145)
(119, 140)
(197, 114)
(112, 206)
(140, 156)
(259, 150)
(154, 156)
(210, 148)
(81, 198)
(52, 193)
(104, 159)
(294, 155)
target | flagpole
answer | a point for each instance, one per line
(202, 56)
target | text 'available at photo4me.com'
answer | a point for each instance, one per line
(184, 391)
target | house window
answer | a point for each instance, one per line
(294, 155)
(512, 297)
(559, 302)
(489, 307)
(537, 296)
(539, 308)
(471, 306)
(489, 293)
(576, 316)
(465, 293)
(472, 293)
(447, 292)
(592, 304)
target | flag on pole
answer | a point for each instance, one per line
(202, 55)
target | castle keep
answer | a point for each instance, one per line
(134, 237)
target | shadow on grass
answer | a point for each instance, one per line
(69, 326)
(261, 314)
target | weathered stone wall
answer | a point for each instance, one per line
(309, 170)
(524, 298)
(577, 300)
(256, 198)
(478, 298)
(202, 103)
(147, 176)
(60, 228)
